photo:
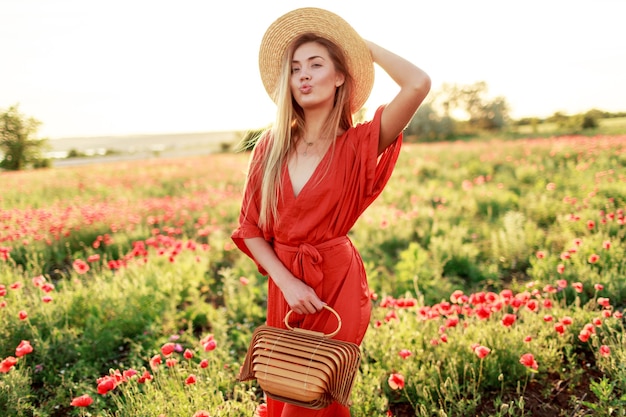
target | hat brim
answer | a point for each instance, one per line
(328, 25)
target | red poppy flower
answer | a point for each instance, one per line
(167, 349)
(188, 354)
(146, 376)
(560, 268)
(22, 315)
(528, 360)
(591, 224)
(106, 384)
(559, 328)
(201, 413)
(508, 320)
(260, 411)
(24, 348)
(82, 401)
(191, 379)
(396, 381)
(593, 258)
(405, 353)
(606, 244)
(605, 351)
(598, 287)
(604, 302)
(7, 364)
(532, 305)
(567, 321)
(204, 363)
(578, 287)
(80, 266)
(481, 351)
(155, 361)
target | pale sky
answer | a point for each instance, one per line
(117, 67)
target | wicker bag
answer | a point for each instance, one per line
(302, 367)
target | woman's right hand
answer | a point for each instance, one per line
(301, 298)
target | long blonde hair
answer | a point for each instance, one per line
(290, 125)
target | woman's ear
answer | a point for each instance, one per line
(340, 79)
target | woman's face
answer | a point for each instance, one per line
(314, 79)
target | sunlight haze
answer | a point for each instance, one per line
(91, 68)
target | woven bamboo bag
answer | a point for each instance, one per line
(302, 367)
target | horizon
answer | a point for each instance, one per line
(142, 68)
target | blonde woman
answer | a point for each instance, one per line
(314, 173)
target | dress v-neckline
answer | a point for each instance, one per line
(313, 174)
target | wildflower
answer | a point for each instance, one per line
(565, 256)
(528, 339)
(559, 328)
(171, 362)
(82, 401)
(593, 258)
(540, 254)
(47, 287)
(7, 364)
(93, 258)
(560, 268)
(23, 315)
(598, 287)
(201, 413)
(396, 381)
(562, 283)
(618, 315)
(604, 302)
(106, 384)
(483, 313)
(46, 299)
(208, 343)
(584, 335)
(405, 353)
(548, 318)
(597, 322)
(38, 281)
(167, 349)
(591, 224)
(146, 376)
(481, 351)
(155, 361)
(191, 379)
(188, 354)
(578, 287)
(24, 348)
(80, 266)
(260, 411)
(444, 338)
(204, 363)
(508, 320)
(605, 351)
(606, 244)
(547, 303)
(532, 305)
(16, 286)
(567, 321)
(244, 281)
(3, 290)
(528, 360)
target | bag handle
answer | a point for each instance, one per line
(329, 335)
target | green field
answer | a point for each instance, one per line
(497, 271)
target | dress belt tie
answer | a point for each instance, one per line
(307, 260)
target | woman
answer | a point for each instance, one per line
(313, 174)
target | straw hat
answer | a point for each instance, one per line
(323, 23)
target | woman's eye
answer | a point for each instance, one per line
(294, 70)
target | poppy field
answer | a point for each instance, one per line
(497, 272)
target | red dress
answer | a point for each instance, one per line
(310, 237)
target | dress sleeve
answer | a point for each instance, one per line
(248, 226)
(378, 168)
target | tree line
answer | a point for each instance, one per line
(453, 112)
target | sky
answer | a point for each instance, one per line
(120, 67)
